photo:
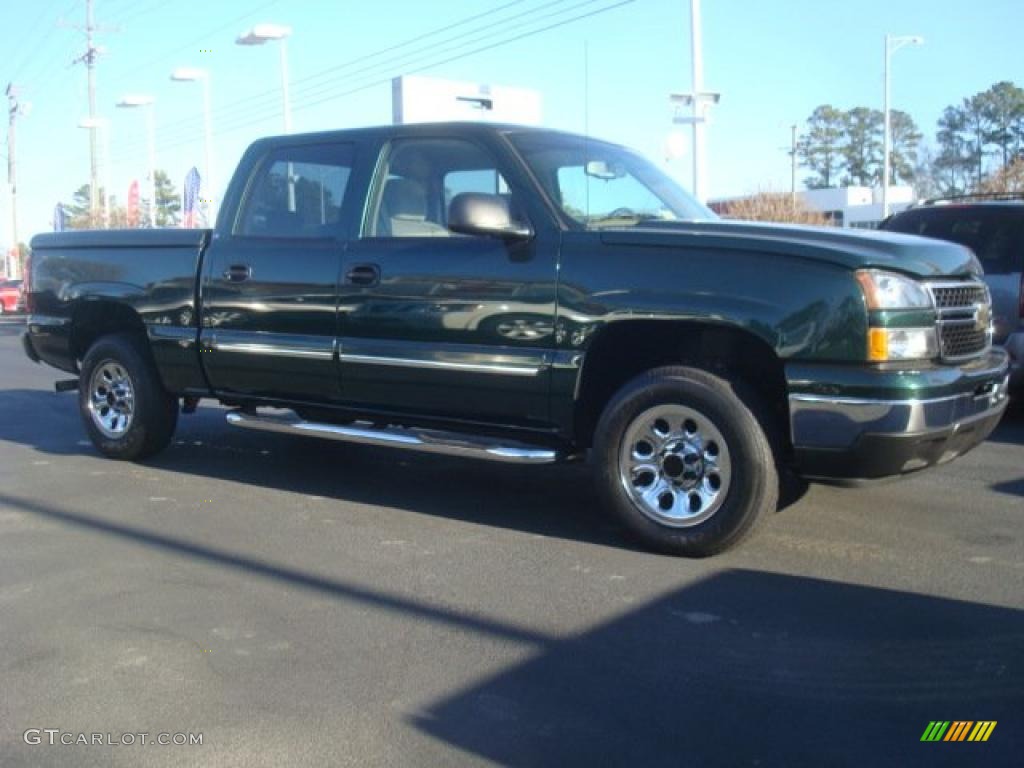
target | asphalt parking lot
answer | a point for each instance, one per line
(306, 603)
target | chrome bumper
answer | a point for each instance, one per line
(834, 423)
(849, 439)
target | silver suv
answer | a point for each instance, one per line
(993, 227)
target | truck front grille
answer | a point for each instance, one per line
(964, 318)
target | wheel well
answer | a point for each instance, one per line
(628, 348)
(100, 318)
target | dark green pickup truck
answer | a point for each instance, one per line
(528, 296)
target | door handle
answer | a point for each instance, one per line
(237, 273)
(363, 274)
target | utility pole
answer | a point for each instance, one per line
(792, 167)
(13, 265)
(90, 68)
(89, 59)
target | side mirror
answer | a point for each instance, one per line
(473, 213)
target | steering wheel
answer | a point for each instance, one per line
(620, 213)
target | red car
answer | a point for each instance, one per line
(12, 299)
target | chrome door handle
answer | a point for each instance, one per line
(237, 273)
(363, 274)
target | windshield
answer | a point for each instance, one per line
(601, 186)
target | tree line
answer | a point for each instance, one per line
(978, 146)
(845, 147)
(168, 208)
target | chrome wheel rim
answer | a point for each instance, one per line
(675, 465)
(111, 399)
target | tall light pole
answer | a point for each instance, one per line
(892, 44)
(12, 259)
(263, 33)
(93, 124)
(697, 69)
(699, 100)
(138, 100)
(187, 75)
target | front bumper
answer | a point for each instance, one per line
(863, 438)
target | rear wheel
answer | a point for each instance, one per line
(124, 407)
(684, 462)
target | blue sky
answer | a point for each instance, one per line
(773, 62)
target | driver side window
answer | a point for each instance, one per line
(423, 177)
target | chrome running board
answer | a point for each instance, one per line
(426, 440)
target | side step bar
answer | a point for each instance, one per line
(426, 440)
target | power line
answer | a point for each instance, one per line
(231, 107)
(44, 44)
(222, 130)
(30, 35)
(262, 108)
(160, 58)
(138, 13)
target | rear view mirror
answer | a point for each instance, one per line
(474, 213)
(602, 169)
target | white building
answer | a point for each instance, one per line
(859, 207)
(418, 99)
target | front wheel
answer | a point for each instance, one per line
(683, 460)
(123, 405)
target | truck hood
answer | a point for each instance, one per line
(853, 249)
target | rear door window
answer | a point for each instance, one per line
(298, 192)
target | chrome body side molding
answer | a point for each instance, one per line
(444, 365)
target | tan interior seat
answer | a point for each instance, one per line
(403, 211)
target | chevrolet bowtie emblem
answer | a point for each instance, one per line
(982, 317)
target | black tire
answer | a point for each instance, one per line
(154, 412)
(733, 412)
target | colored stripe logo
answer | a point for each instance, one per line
(958, 730)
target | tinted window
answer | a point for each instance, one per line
(601, 185)
(420, 181)
(995, 235)
(298, 192)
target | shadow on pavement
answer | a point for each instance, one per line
(1013, 487)
(742, 668)
(755, 669)
(557, 501)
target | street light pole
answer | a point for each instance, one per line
(147, 102)
(187, 74)
(892, 44)
(259, 35)
(697, 69)
(90, 65)
(12, 259)
(284, 86)
(151, 152)
(263, 33)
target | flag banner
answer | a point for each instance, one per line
(133, 204)
(59, 218)
(190, 199)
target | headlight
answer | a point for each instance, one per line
(885, 344)
(892, 293)
(886, 290)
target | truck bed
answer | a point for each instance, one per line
(150, 273)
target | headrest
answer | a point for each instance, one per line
(404, 199)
